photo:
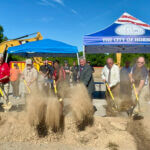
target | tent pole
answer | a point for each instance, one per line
(84, 52)
(6, 58)
(78, 58)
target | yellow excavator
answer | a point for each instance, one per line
(21, 40)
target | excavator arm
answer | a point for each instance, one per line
(21, 40)
(18, 41)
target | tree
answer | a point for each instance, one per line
(2, 37)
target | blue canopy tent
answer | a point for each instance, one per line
(44, 48)
(126, 35)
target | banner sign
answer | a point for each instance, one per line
(102, 40)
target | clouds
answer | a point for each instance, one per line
(59, 2)
(50, 2)
(74, 11)
(45, 3)
(53, 3)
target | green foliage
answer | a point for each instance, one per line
(15, 58)
(2, 37)
(70, 60)
(99, 59)
(95, 59)
(133, 57)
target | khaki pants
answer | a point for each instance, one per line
(32, 88)
(5, 89)
(115, 91)
(143, 97)
(15, 85)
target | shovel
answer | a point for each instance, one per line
(29, 91)
(8, 105)
(136, 95)
(55, 89)
(111, 94)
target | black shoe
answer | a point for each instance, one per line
(95, 109)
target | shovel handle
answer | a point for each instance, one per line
(29, 91)
(136, 95)
(55, 89)
(1, 92)
(111, 94)
(109, 91)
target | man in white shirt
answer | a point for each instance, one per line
(111, 75)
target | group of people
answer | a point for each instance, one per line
(126, 83)
(129, 83)
(44, 79)
(48, 77)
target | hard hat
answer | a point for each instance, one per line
(28, 61)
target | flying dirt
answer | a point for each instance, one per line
(42, 125)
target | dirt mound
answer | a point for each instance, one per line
(54, 114)
(140, 133)
(36, 110)
(44, 113)
(81, 105)
(35, 124)
(15, 127)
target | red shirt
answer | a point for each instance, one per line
(58, 72)
(4, 71)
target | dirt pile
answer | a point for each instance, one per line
(81, 106)
(54, 116)
(15, 127)
(44, 113)
(140, 130)
(36, 107)
(35, 124)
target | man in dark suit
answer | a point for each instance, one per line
(85, 76)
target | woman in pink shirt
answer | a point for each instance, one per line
(14, 79)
